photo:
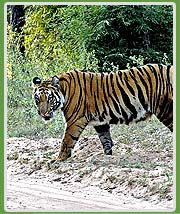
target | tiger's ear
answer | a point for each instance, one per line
(36, 80)
(55, 81)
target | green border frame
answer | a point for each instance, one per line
(2, 106)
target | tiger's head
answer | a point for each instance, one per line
(48, 97)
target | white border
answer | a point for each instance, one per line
(89, 3)
(174, 97)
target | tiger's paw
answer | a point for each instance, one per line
(56, 162)
(108, 151)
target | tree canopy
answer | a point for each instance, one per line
(98, 37)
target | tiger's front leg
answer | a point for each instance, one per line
(71, 136)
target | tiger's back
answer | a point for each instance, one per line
(122, 97)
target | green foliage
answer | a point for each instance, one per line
(57, 35)
(95, 37)
(125, 31)
(60, 38)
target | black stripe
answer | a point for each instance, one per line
(151, 88)
(129, 86)
(113, 89)
(143, 81)
(91, 83)
(57, 102)
(132, 72)
(159, 95)
(165, 115)
(168, 74)
(120, 76)
(41, 89)
(72, 75)
(126, 100)
(107, 85)
(163, 106)
(76, 118)
(101, 119)
(141, 97)
(104, 110)
(63, 79)
(102, 128)
(79, 102)
(115, 102)
(102, 76)
(111, 114)
(167, 119)
(97, 87)
(82, 128)
(73, 137)
(70, 96)
(161, 88)
(124, 114)
(114, 120)
(105, 98)
(80, 94)
(152, 68)
(77, 107)
(85, 89)
(95, 102)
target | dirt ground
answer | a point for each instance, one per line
(137, 177)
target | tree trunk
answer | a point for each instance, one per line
(17, 22)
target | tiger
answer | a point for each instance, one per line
(101, 99)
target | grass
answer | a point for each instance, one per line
(27, 123)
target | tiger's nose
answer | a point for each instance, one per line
(44, 114)
(43, 109)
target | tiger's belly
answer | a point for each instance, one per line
(119, 119)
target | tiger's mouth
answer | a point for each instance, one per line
(47, 116)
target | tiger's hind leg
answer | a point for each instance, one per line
(103, 132)
(165, 114)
